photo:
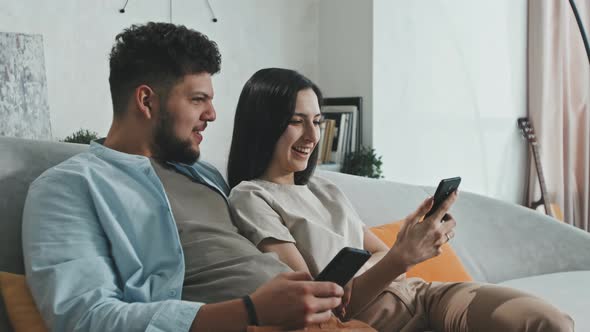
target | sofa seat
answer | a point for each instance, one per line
(568, 291)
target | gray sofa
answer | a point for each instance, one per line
(497, 242)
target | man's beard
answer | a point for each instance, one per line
(167, 146)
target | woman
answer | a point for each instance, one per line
(281, 207)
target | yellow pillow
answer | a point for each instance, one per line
(445, 267)
(21, 309)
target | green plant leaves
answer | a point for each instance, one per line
(364, 162)
(82, 136)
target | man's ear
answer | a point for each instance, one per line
(145, 99)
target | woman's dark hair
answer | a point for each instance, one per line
(266, 105)
(159, 55)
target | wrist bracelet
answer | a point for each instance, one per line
(253, 319)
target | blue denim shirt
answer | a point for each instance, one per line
(101, 247)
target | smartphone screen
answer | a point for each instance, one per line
(444, 189)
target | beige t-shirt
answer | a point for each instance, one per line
(317, 217)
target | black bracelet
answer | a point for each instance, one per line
(251, 310)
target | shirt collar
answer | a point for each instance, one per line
(97, 147)
(200, 171)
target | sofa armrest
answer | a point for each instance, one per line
(496, 240)
(499, 241)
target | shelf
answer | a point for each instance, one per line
(332, 167)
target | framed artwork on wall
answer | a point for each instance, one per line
(24, 106)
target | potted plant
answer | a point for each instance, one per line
(82, 136)
(363, 162)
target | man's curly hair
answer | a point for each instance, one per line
(159, 55)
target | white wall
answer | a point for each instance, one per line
(345, 54)
(251, 34)
(449, 81)
(443, 81)
(78, 36)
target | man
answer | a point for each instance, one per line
(102, 231)
(113, 238)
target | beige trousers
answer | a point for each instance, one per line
(415, 305)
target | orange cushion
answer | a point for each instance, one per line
(21, 309)
(445, 267)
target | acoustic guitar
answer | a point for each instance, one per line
(551, 209)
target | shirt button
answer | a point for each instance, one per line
(172, 293)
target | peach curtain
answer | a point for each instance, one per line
(558, 96)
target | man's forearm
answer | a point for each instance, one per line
(227, 316)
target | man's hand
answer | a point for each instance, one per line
(293, 300)
(418, 240)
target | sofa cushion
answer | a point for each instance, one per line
(568, 291)
(445, 267)
(20, 305)
(22, 162)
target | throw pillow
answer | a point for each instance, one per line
(19, 303)
(445, 267)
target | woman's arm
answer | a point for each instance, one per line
(371, 242)
(373, 277)
(378, 250)
(375, 246)
(288, 253)
(254, 216)
(416, 242)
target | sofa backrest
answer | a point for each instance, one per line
(21, 162)
(490, 233)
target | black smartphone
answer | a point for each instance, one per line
(444, 189)
(344, 266)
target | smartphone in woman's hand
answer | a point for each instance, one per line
(444, 189)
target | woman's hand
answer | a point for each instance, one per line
(418, 240)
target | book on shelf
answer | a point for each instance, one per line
(340, 135)
(337, 135)
(320, 145)
(328, 138)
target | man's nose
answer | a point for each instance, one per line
(209, 114)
